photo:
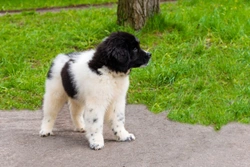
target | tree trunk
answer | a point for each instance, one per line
(136, 12)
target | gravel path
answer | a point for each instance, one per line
(159, 143)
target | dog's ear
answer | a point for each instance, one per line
(121, 55)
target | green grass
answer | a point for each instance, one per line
(200, 69)
(32, 4)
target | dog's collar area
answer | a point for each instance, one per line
(96, 71)
(106, 70)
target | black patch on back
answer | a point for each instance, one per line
(49, 74)
(67, 80)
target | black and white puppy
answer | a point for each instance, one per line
(94, 83)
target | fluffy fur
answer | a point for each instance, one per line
(94, 83)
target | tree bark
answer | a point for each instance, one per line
(136, 12)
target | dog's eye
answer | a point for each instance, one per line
(135, 50)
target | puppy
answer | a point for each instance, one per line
(94, 83)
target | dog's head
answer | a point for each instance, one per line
(120, 52)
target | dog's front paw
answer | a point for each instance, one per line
(125, 137)
(44, 133)
(96, 142)
(130, 137)
(96, 146)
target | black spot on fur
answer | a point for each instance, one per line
(115, 133)
(95, 120)
(67, 80)
(121, 119)
(49, 74)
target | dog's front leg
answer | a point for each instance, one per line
(94, 116)
(116, 118)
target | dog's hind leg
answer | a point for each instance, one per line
(76, 110)
(54, 99)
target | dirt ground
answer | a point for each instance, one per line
(73, 7)
(159, 143)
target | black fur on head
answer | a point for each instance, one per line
(119, 52)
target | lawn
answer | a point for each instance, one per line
(33, 4)
(199, 72)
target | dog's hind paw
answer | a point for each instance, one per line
(81, 130)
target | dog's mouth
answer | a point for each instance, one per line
(145, 65)
(147, 58)
(142, 62)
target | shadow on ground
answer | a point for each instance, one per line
(159, 143)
